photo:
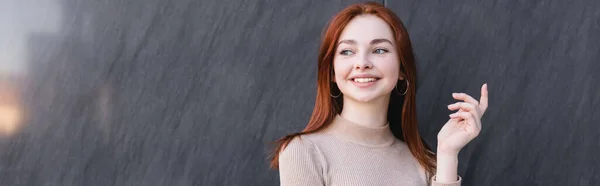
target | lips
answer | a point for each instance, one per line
(364, 81)
(364, 76)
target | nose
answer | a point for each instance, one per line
(363, 63)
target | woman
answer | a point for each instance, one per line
(363, 130)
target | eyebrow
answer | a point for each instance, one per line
(374, 41)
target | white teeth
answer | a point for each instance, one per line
(364, 80)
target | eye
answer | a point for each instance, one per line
(380, 51)
(346, 52)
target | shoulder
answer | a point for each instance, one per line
(302, 148)
(303, 144)
(401, 146)
(301, 163)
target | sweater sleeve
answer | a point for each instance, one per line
(435, 183)
(456, 183)
(300, 164)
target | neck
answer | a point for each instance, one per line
(369, 114)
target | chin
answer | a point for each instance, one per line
(364, 98)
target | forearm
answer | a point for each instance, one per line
(447, 166)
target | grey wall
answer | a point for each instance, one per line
(541, 60)
(186, 92)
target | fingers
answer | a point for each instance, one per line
(461, 115)
(482, 104)
(483, 101)
(462, 105)
(465, 97)
(466, 116)
(465, 108)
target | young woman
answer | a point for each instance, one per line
(363, 130)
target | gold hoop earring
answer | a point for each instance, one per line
(405, 91)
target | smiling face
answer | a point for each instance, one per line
(366, 64)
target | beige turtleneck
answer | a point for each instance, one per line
(349, 154)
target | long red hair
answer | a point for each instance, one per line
(403, 126)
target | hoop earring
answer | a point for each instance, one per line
(405, 91)
(331, 88)
(335, 96)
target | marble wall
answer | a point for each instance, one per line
(158, 92)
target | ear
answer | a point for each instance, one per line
(401, 75)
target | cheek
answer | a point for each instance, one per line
(391, 71)
(390, 68)
(341, 70)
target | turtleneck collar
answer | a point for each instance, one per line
(362, 135)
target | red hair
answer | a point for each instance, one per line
(403, 126)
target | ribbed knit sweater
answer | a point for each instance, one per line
(349, 154)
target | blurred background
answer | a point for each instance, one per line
(161, 92)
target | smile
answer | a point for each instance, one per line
(364, 82)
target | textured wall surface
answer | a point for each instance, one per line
(159, 92)
(541, 60)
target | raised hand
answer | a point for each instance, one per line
(465, 124)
